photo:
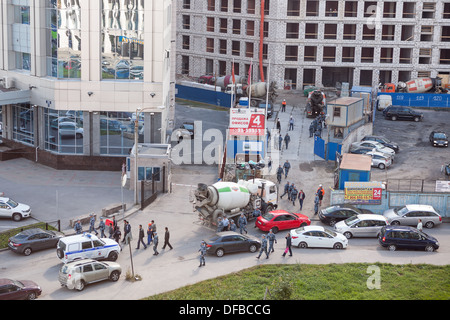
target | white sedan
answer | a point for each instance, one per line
(318, 237)
(13, 210)
(373, 144)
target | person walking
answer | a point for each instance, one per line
(288, 245)
(77, 227)
(233, 226)
(278, 125)
(116, 235)
(286, 190)
(294, 193)
(149, 234)
(166, 239)
(283, 106)
(316, 204)
(155, 243)
(92, 224)
(287, 139)
(242, 222)
(263, 247)
(419, 225)
(311, 130)
(321, 193)
(271, 238)
(291, 123)
(286, 167)
(279, 173)
(280, 142)
(202, 251)
(141, 238)
(127, 232)
(102, 227)
(301, 197)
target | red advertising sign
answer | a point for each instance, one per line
(247, 122)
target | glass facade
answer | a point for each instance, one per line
(117, 132)
(64, 131)
(123, 39)
(64, 39)
(23, 123)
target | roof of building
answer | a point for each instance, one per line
(359, 162)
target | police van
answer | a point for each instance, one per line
(86, 246)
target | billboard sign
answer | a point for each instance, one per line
(363, 192)
(247, 122)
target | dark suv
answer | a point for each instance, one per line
(402, 113)
(393, 237)
(439, 138)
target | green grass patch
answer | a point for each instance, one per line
(322, 282)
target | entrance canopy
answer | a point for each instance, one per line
(14, 96)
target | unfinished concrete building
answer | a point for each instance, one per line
(311, 42)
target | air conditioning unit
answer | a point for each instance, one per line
(8, 83)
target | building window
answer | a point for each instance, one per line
(64, 39)
(123, 40)
(23, 61)
(117, 132)
(23, 123)
(22, 14)
(337, 112)
(147, 173)
(64, 131)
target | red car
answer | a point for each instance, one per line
(19, 290)
(281, 220)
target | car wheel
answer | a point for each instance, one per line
(393, 118)
(416, 119)
(253, 248)
(429, 225)
(113, 256)
(275, 230)
(17, 216)
(303, 245)
(381, 166)
(27, 251)
(115, 275)
(32, 296)
(80, 285)
(220, 252)
(338, 245)
(395, 223)
(348, 235)
(429, 248)
(392, 247)
(332, 222)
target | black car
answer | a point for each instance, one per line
(402, 113)
(403, 237)
(32, 240)
(385, 142)
(230, 241)
(439, 138)
(340, 212)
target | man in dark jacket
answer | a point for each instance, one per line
(166, 239)
(141, 237)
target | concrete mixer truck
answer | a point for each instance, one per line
(258, 93)
(230, 199)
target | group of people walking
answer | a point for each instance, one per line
(293, 194)
(267, 242)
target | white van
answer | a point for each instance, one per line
(384, 101)
(86, 246)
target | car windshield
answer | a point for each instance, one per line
(440, 135)
(268, 216)
(330, 209)
(12, 203)
(401, 211)
(351, 220)
(331, 233)
(19, 284)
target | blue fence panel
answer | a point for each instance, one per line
(216, 98)
(422, 100)
(332, 148)
(319, 147)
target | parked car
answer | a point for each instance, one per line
(230, 241)
(318, 237)
(362, 150)
(32, 240)
(13, 210)
(19, 290)
(77, 274)
(402, 113)
(380, 160)
(410, 214)
(361, 225)
(373, 144)
(340, 212)
(447, 169)
(281, 220)
(384, 141)
(70, 129)
(85, 246)
(403, 237)
(439, 138)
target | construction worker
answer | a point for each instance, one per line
(283, 105)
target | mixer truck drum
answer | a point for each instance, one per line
(202, 187)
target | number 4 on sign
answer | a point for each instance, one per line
(257, 121)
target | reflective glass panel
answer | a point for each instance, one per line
(116, 133)
(23, 123)
(64, 132)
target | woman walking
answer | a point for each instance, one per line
(288, 245)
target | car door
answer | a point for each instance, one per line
(5, 210)
(280, 221)
(309, 238)
(359, 229)
(101, 271)
(88, 273)
(99, 251)
(318, 239)
(410, 218)
(291, 222)
(240, 243)
(86, 247)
